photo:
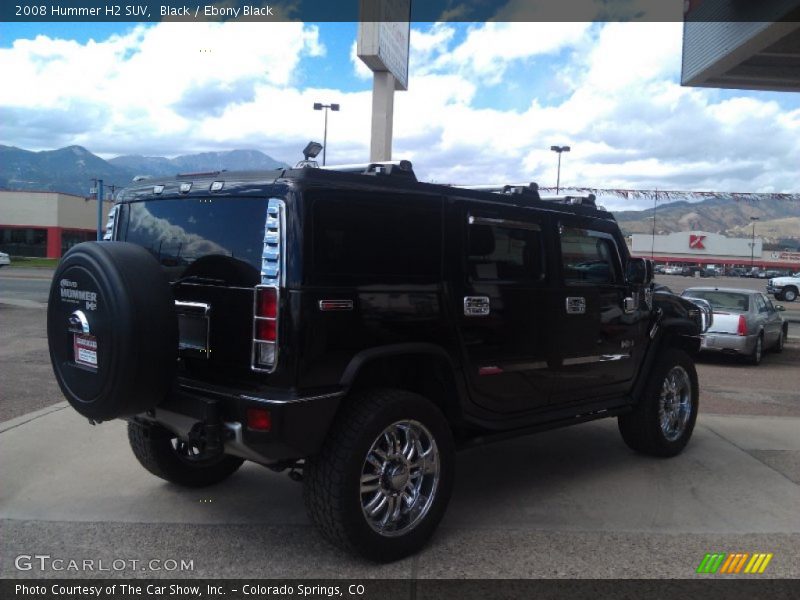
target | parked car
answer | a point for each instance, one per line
(745, 322)
(784, 288)
(673, 270)
(4, 259)
(355, 327)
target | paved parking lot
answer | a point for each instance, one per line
(567, 503)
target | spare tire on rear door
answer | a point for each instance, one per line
(112, 330)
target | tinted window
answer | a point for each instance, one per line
(760, 304)
(588, 256)
(722, 300)
(504, 251)
(179, 232)
(386, 238)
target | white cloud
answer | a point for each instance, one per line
(618, 103)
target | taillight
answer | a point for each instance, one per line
(259, 419)
(265, 328)
(742, 328)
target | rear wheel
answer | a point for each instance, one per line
(781, 340)
(381, 483)
(663, 421)
(758, 351)
(175, 460)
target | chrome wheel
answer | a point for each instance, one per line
(399, 478)
(675, 403)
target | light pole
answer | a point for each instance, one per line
(653, 242)
(753, 244)
(98, 193)
(559, 150)
(320, 106)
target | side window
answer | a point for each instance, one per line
(375, 238)
(768, 302)
(760, 304)
(502, 250)
(588, 256)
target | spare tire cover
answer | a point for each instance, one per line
(112, 330)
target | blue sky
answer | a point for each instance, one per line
(483, 98)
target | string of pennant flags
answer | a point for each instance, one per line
(673, 195)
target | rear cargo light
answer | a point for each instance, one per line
(266, 307)
(267, 302)
(265, 328)
(259, 419)
(742, 328)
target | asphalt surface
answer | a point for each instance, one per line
(569, 503)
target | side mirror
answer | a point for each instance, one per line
(637, 271)
(780, 307)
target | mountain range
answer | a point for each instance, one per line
(71, 169)
(777, 220)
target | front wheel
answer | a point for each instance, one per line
(382, 481)
(790, 294)
(663, 420)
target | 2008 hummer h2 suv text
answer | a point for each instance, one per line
(357, 326)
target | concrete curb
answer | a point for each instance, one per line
(32, 416)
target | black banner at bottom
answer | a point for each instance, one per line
(391, 589)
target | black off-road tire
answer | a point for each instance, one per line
(789, 294)
(152, 446)
(641, 429)
(332, 479)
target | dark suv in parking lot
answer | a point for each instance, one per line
(357, 327)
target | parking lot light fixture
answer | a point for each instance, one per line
(559, 150)
(320, 106)
(753, 244)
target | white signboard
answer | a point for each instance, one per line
(383, 37)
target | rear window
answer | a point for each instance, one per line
(722, 300)
(180, 232)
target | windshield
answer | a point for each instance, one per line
(718, 300)
(219, 238)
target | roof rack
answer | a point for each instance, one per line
(395, 168)
(587, 200)
(524, 189)
(532, 189)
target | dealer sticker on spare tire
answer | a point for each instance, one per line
(85, 347)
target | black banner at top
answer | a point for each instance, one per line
(421, 10)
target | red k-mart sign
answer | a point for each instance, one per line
(696, 242)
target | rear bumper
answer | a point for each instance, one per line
(299, 424)
(728, 343)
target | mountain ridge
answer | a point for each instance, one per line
(72, 168)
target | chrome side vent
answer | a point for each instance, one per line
(112, 218)
(272, 256)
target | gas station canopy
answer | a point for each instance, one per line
(742, 45)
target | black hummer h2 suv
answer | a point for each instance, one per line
(357, 326)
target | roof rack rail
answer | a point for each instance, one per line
(524, 189)
(395, 168)
(586, 200)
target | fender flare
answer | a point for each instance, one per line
(408, 349)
